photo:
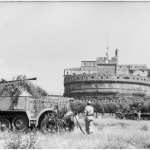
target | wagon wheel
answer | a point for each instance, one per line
(4, 124)
(20, 123)
(48, 125)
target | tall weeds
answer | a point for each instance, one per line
(114, 134)
(19, 140)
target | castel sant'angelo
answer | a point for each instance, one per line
(104, 80)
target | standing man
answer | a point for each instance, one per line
(89, 118)
(139, 115)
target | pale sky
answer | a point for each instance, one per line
(41, 39)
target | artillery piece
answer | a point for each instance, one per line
(4, 81)
(24, 111)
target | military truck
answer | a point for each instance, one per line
(27, 111)
(127, 113)
(132, 114)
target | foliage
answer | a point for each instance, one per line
(123, 106)
(140, 105)
(144, 108)
(109, 133)
(114, 134)
(15, 87)
(77, 106)
(34, 90)
(18, 84)
(105, 107)
(58, 122)
(112, 107)
(98, 107)
(135, 104)
(16, 141)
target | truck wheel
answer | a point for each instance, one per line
(4, 124)
(118, 116)
(20, 123)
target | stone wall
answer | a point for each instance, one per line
(102, 83)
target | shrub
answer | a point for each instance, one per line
(16, 141)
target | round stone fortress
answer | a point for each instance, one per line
(104, 80)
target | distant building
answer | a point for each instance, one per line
(105, 78)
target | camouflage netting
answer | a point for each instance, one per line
(62, 104)
(40, 99)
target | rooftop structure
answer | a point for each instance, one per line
(104, 65)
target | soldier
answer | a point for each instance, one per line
(89, 118)
(139, 115)
(76, 118)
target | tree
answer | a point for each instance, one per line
(77, 106)
(112, 107)
(134, 104)
(123, 106)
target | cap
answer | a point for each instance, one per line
(89, 102)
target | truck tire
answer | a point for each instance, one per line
(4, 124)
(119, 116)
(20, 123)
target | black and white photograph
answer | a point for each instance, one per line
(74, 75)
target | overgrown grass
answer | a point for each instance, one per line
(18, 140)
(109, 134)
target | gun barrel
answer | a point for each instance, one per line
(19, 80)
(32, 78)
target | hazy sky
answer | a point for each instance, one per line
(41, 39)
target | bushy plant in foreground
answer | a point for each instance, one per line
(18, 141)
(109, 134)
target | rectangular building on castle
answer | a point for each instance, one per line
(104, 65)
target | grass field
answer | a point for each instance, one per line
(109, 133)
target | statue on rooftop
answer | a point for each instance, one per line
(116, 52)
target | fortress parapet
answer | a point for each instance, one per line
(102, 83)
(107, 78)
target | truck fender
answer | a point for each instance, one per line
(41, 113)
